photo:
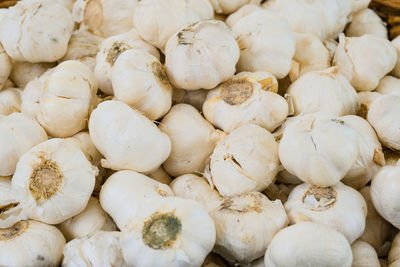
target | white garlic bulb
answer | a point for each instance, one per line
(5, 67)
(126, 138)
(109, 51)
(18, 134)
(394, 253)
(305, 244)
(117, 16)
(366, 21)
(124, 192)
(246, 224)
(246, 98)
(364, 60)
(11, 210)
(201, 55)
(157, 20)
(364, 255)
(230, 6)
(10, 101)
(169, 232)
(245, 160)
(389, 86)
(24, 72)
(25, 39)
(195, 98)
(152, 91)
(54, 181)
(366, 98)
(318, 148)
(396, 44)
(39, 243)
(192, 140)
(323, 91)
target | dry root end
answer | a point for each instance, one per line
(5, 208)
(117, 49)
(326, 197)
(242, 203)
(269, 85)
(160, 75)
(236, 92)
(161, 230)
(13, 231)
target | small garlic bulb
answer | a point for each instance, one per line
(10, 101)
(169, 232)
(202, 55)
(305, 244)
(5, 67)
(31, 243)
(192, 140)
(11, 210)
(366, 98)
(318, 148)
(389, 86)
(152, 91)
(323, 91)
(230, 6)
(54, 181)
(246, 98)
(109, 51)
(364, 255)
(396, 44)
(18, 134)
(117, 16)
(124, 192)
(195, 98)
(366, 21)
(394, 253)
(24, 72)
(245, 160)
(126, 138)
(246, 224)
(364, 60)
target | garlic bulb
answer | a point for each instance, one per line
(169, 232)
(389, 86)
(314, 90)
(89, 14)
(25, 39)
(101, 249)
(157, 20)
(279, 191)
(339, 207)
(192, 140)
(394, 253)
(195, 98)
(126, 138)
(266, 43)
(11, 210)
(246, 98)
(366, 21)
(364, 255)
(245, 160)
(53, 181)
(366, 98)
(24, 72)
(109, 51)
(364, 60)
(124, 192)
(18, 134)
(10, 101)
(383, 116)
(5, 67)
(305, 244)
(117, 16)
(152, 91)
(318, 148)
(246, 224)
(160, 175)
(201, 55)
(396, 45)
(193, 187)
(39, 243)
(230, 6)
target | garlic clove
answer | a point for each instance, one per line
(364, 255)
(11, 211)
(366, 21)
(10, 101)
(389, 85)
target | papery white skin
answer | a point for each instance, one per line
(24, 72)
(364, 255)
(318, 148)
(100, 249)
(113, 128)
(18, 134)
(5, 67)
(124, 193)
(192, 140)
(366, 21)
(202, 55)
(364, 60)
(195, 239)
(230, 6)
(227, 109)
(245, 160)
(266, 43)
(117, 16)
(366, 98)
(157, 20)
(383, 115)
(31, 95)
(394, 253)
(25, 39)
(323, 91)
(160, 175)
(73, 181)
(10, 101)
(279, 191)
(246, 224)
(242, 12)
(304, 244)
(140, 80)
(11, 211)
(389, 86)
(396, 44)
(109, 51)
(331, 45)
(195, 98)
(339, 207)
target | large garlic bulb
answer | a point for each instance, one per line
(140, 80)
(201, 55)
(364, 255)
(24, 72)
(11, 210)
(54, 180)
(10, 101)
(318, 148)
(5, 67)
(24, 36)
(245, 160)
(18, 134)
(246, 98)
(366, 21)
(389, 86)
(31, 243)
(364, 60)
(305, 244)
(126, 138)
(192, 140)
(246, 224)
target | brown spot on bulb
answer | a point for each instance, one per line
(236, 91)
(14, 231)
(326, 197)
(160, 75)
(246, 202)
(115, 51)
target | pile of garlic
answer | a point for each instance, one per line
(198, 133)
